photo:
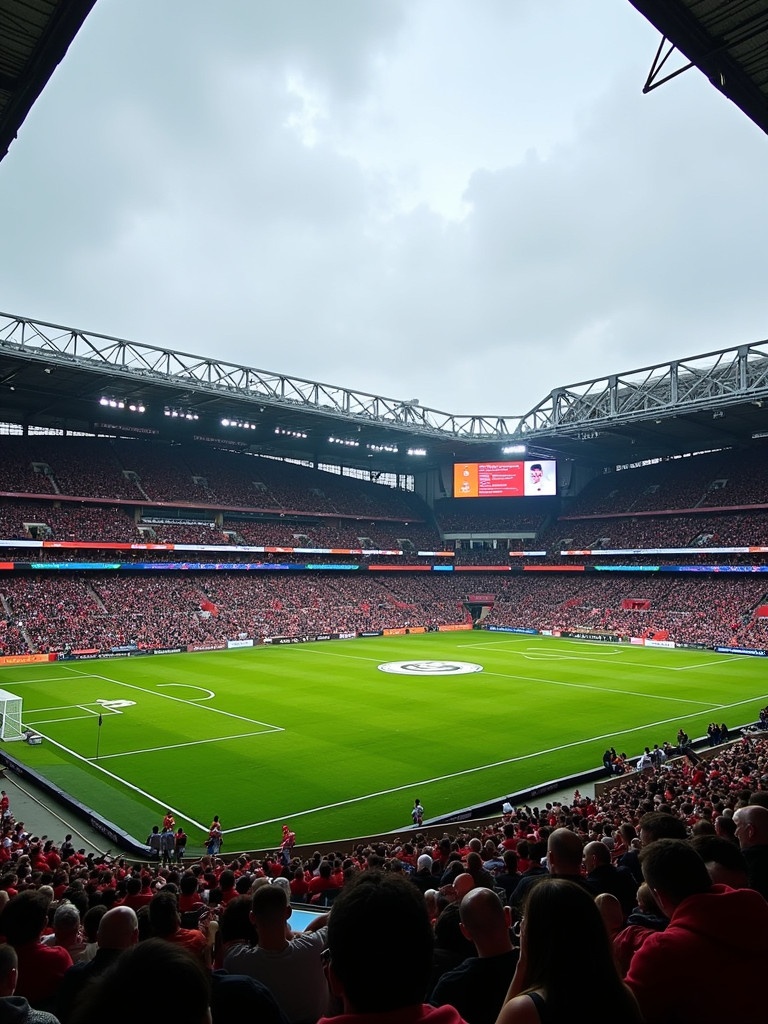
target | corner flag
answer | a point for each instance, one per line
(101, 719)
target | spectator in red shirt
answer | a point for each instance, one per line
(41, 967)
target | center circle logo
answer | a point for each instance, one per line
(430, 668)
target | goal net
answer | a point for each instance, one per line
(10, 716)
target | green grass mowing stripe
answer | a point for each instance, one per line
(318, 734)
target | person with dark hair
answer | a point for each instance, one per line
(235, 928)
(155, 843)
(724, 860)
(713, 932)
(653, 825)
(236, 998)
(40, 967)
(179, 844)
(165, 921)
(288, 963)
(476, 988)
(136, 895)
(509, 876)
(417, 813)
(122, 994)
(563, 943)
(379, 953)
(287, 844)
(452, 946)
(480, 875)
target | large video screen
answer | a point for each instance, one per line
(504, 479)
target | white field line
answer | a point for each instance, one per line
(396, 789)
(552, 682)
(612, 650)
(118, 778)
(479, 768)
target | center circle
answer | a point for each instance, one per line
(430, 668)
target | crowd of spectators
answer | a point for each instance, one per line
(680, 608)
(157, 472)
(100, 610)
(674, 858)
(711, 500)
(85, 611)
(702, 530)
(724, 479)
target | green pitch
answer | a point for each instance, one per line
(317, 735)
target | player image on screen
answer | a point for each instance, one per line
(540, 477)
(504, 479)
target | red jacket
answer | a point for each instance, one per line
(706, 965)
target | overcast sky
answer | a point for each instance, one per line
(467, 202)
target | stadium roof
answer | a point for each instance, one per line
(53, 377)
(727, 40)
(58, 377)
(34, 36)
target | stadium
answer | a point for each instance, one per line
(475, 706)
(229, 590)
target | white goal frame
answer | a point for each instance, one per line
(10, 717)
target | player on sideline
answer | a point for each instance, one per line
(417, 814)
(287, 845)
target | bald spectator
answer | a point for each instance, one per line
(118, 930)
(752, 833)
(463, 884)
(714, 932)
(564, 856)
(476, 988)
(603, 877)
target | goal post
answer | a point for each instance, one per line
(10, 716)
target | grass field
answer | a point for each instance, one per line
(317, 735)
